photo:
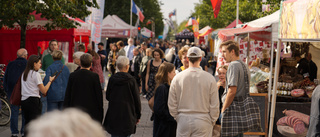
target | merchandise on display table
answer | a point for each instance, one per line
(259, 80)
(295, 86)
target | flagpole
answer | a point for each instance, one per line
(176, 27)
(131, 19)
(237, 18)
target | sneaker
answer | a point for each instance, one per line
(14, 135)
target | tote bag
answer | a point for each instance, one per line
(15, 98)
(242, 115)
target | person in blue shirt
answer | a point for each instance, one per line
(56, 92)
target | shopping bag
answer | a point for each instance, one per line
(15, 98)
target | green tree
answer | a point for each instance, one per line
(18, 11)
(248, 10)
(274, 6)
(182, 26)
(151, 8)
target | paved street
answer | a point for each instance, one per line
(144, 128)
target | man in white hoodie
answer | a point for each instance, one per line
(193, 99)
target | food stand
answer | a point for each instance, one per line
(299, 22)
(258, 35)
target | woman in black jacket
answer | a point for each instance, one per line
(124, 110)
(164, 124)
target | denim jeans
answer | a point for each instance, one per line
(44, 104)
(55, 105)
(14, 120)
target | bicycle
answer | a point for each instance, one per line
(5, 110)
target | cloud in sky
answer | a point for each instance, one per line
(184, 8)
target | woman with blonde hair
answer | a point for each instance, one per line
(221, 84)
(164, 124)
(112, 58)
(57, 90)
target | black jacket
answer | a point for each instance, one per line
(84, 92)
(124, 105)
(164, 123)
(137, 62)
(313, 70)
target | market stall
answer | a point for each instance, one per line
(185, 35)
(146, 33)
(38, 36)
(299, 25)
(114, 27)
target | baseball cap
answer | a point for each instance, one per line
(196, 51)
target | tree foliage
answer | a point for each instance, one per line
(151, 9)
(248, 10)
(18, 11)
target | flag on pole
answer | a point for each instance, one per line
(173, 13)
(149, 22)
(137, 11)
(170, 23)
(216, 4)
(191, 21)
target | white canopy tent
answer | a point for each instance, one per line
(146, 32)
(114, 27)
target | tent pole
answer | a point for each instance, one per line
(175, 26)
(270, 78)
(248, 50)
(237, 13)
(275, 81)
(131, 19)
(271, 69)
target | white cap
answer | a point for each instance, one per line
(196, 51)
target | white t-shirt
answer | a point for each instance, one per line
(29, 88)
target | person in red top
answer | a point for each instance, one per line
(96, 64)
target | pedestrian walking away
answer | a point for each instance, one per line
(195, 118)
(11, 76)
(164, 124)
(124, 110)
(56, 92)
(84, 90)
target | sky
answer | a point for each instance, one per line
(184, 8)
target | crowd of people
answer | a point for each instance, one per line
(185, 99)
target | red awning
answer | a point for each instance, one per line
(262, 34)
(234, 23)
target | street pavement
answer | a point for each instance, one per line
(144, 127)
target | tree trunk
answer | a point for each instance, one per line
(23, 35)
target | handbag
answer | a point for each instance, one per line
(15, 98)
(242, 115)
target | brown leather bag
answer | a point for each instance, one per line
(15, 98)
